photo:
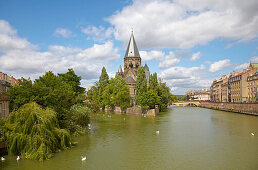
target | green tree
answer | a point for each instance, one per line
(103, 82)
(20, 94)
(34, 133)
(141, 85)
(93, 98)
(116, 93)
(154, 82)
(50, 91)
(73, 80)
(150, 99)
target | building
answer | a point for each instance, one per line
(252, 83)
(237, 87)
(199, 95)
(5, 82)
(132, 61)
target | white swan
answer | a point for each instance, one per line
(83, 158)
(252, 134)
(2, 159)
(157, 132)
(18, 158)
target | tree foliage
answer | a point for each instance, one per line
(48, 91)
(158, 93)
(109, 92)
(78, 119)
(141, 85)
(73, 80)
(34, 132)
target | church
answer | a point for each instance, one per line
(132, 60)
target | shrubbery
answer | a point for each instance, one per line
(45, 113)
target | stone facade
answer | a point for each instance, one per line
(6, 81)
(237, 87)
(132, 61)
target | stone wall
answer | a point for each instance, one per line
(132, 110)
(246, 108)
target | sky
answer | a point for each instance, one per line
(189, 43)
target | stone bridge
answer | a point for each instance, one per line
(186, 103)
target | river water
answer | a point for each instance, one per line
(189, 138)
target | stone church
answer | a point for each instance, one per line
(132, 60)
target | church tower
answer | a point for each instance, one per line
(132, 61)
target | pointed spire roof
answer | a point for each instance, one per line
(132, 50)
(120, 70)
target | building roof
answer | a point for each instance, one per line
(146, 67)
(129, 79)
(120, 70)
(132, 50)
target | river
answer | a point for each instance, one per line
(189, 138)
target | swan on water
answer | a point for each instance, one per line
(157, 132)
(83, 158)
(18, 158)
(2, 159)
(252, 134)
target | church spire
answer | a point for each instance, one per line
(132, 50)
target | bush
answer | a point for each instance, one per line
(78, 119)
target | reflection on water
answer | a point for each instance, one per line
(189, 138)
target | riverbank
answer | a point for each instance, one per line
(244, 108)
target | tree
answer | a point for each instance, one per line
(50, 91)
(116, 93)
(141, 85)
(34, 132)
(103, 82)
(73, 80)
(20, 94)
(93, 98)
(150, 99)
(154, 82)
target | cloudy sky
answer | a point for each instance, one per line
(188, 43)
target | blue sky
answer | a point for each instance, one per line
(189, 43)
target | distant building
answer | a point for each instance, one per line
(199, 95)
(5, 82)
(237, 87)
(132, 61)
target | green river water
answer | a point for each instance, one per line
(189, 138)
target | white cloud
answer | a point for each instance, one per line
(196, 56)
(66, 33)
(254, 59)
(27, 61)
(184, 24)
(242, 66)
(181, 79)
(146, 56)
(9, 40)
(98, 33)
(219, 65)
(170, 60)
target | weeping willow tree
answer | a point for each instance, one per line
(34, 133)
